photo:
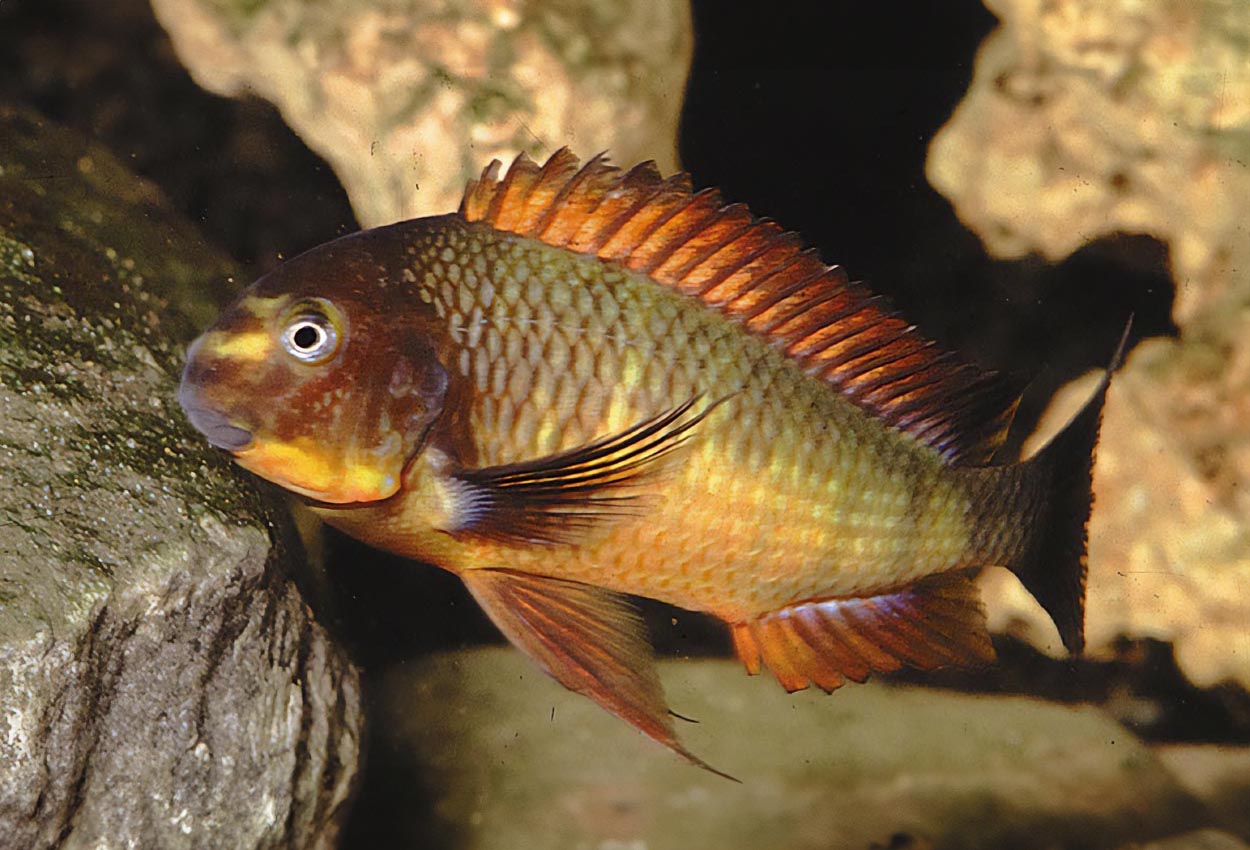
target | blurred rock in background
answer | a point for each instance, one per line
(1091, 118)
(409, 100)
(496, 756)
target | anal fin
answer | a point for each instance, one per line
(589, 639)
(933, 623)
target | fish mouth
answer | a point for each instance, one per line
(214, 425)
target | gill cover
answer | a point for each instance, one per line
(374, 428)
(328, 398)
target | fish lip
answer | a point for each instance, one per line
(214, 425)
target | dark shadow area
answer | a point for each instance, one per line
(394, 805)
(820, 117)
(109, 71)
(390, 608)
(1141, 686)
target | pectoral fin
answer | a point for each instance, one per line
(558, 498)
(589, 639)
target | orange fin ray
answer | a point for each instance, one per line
(588, 639)
(934, 623)
(757, 275)
(558, 498)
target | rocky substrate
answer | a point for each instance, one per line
(162, 682)
(492, 754)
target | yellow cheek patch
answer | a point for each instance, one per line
(305, 467)
(249, 346)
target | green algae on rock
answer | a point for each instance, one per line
(163, 682)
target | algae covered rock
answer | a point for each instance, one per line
(162, 683)
(409, 99)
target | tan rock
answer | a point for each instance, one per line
(1201, 839)
(1217, 775)
(1087, 118)
(408, 100)
(485, 752)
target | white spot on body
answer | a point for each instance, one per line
(481, 368)
(498, 378)
(534, 292)
(476, 326)
(494, 342)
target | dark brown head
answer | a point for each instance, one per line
(321, 377)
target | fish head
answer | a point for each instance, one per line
(313, 381)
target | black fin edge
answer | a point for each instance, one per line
(1054, 570)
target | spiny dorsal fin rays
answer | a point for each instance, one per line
(759, 276)
(575, 200)
(478, 193)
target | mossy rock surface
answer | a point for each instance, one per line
(162, 683)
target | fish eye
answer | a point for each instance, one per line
(310, 336)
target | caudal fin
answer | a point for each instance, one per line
(1053, 569)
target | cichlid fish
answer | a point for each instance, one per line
(588, 383)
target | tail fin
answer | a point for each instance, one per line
(1053, 569)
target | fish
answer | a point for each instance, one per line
(589, 384)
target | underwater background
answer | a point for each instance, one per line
(1091, 161)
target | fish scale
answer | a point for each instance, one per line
(588, 383)
(783, 429)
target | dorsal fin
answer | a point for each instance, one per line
(760, 277)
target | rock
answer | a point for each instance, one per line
(162, 683)
(408, 100)
(490, 753)
(1202, 839)
(1087, 118)
(1217, 775)
(1169, 542)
